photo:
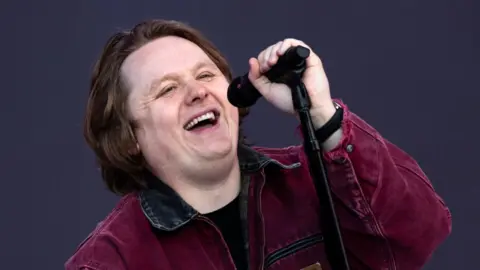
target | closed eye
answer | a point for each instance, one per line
(205, 76)
(168, 89)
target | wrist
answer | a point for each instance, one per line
(329, 134)
(320, 116)
(332, 141)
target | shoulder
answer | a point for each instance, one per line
(104, 246)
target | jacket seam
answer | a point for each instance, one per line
(406, 168)
(377, 226)
(376, 223)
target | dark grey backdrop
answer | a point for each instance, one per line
(408, 67)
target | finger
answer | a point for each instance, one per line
(260, 58)
(290, 42)
(254, 72)
(264, 66)
(312, 60)
(255, 76)
(273, 58)
(285, 45)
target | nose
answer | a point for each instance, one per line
(196, 93)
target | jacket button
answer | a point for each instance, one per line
(349, 148)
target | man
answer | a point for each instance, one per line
(196, 196)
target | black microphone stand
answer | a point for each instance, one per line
(334, 246)
(289, 70)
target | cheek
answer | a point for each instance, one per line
(221, 87)
(231, 110)
(158, 121)
(234, 114)
(162, 117)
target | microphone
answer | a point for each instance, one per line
(241, 93)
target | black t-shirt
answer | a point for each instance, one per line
(228, 221)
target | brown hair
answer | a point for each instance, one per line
(107, 128)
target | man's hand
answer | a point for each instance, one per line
(280, 95)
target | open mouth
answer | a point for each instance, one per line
(206, 120)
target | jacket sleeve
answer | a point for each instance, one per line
(390, 215)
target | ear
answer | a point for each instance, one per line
(134, 150)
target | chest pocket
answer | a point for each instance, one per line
(293, 248)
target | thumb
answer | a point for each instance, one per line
(254, 75)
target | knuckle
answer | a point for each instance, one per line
(260, 55)
(290, 40)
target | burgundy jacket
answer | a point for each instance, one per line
(390, 215)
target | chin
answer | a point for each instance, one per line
(217, 150)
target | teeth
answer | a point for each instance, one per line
(208, 115)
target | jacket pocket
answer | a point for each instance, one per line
(292, 248)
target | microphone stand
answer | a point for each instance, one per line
(334, 246)
(289, 70)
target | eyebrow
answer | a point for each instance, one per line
(173, 76)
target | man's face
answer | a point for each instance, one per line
(178, 99)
